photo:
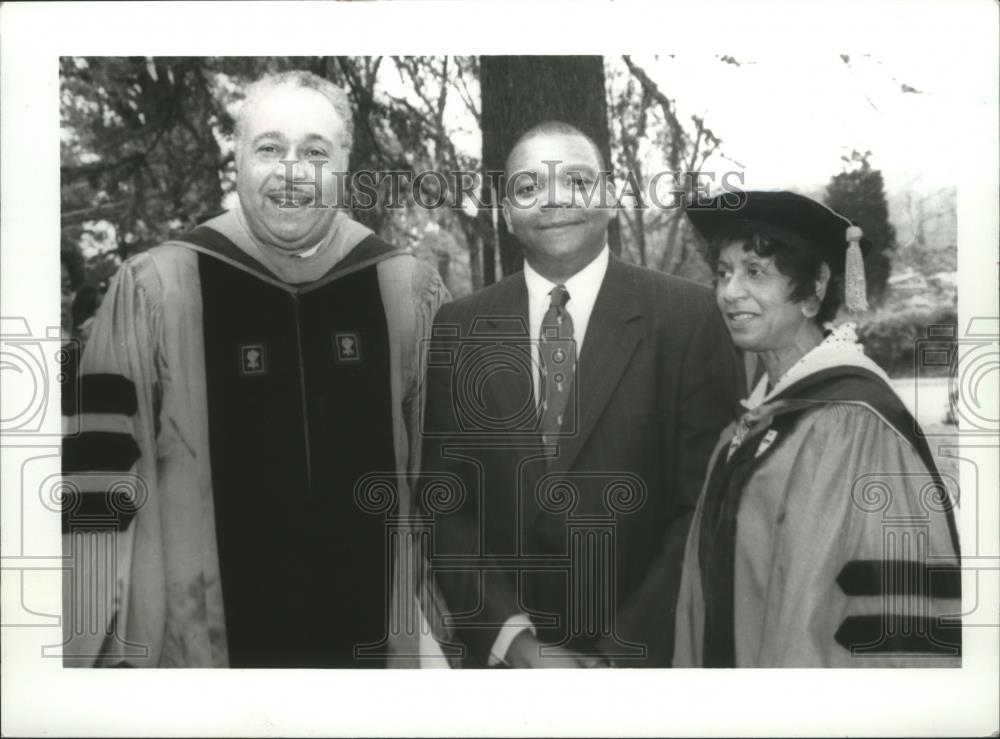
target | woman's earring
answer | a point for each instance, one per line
(810, 308)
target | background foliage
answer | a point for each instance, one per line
(147, 154)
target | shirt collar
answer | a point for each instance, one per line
(582, 287)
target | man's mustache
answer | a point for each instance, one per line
(554, 216)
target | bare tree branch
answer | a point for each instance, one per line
(677, 133)
(96, 213)
(463, 91)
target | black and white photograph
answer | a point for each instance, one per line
(661, 342)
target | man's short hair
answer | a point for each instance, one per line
(299, 78)
(546, 128)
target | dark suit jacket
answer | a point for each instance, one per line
(587, 535)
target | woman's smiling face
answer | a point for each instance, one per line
(755, 301)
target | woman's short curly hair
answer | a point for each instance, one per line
(801, 266)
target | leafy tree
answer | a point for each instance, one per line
(72, 262)
(140, 149)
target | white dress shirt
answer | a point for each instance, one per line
(582, 288)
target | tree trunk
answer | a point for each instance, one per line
(673, 252)
(640, 235)
(521, 91)
(476, 231)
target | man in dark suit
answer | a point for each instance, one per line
(572, 408)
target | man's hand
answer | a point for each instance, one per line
(525, 651)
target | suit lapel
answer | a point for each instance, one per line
(506, 318)
(613, 333)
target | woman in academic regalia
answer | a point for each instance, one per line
(824, 536)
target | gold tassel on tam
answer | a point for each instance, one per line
(855, 289)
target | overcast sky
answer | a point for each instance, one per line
(790, 119)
